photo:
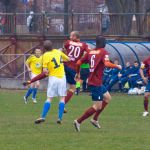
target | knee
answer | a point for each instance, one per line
(37, 85)
(146, 96)
(108, 99)
(72, 88)
(97, 106)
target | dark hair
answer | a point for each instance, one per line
(136, 62)
(47, 45)
(100, 41)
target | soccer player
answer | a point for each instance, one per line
(34, 66)
(98, 60)
(74, 49)
(53, 66)
(146, 65)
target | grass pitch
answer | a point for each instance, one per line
(123, 127)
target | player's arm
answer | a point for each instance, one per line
(109, 64)
(79, 63)
(142, 72)
(87, 50)
(65, 57)
(65, 45)
(27, 63)
(38, 77)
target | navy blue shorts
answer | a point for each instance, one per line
(97, 92)
(148, 87)
(70, 75)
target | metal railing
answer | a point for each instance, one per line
(118, 24)
(14, 66)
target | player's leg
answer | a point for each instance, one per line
(89, 112)
(70, 92)
(35, 89)
(62, 90)
(51, 92)
(70, 75)
(106, 100)
(61, 108)
(122, 82)
(112, 82)
(28, 93)
(146, 96)
(46, 108)
(97, 97)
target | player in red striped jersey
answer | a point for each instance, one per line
(74, 49)
(146, 65)
(98, 60)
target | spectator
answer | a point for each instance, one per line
(45, 25)
(30, 22)
(134, 75)
(105, 19)
(123, 76)
(114, 76)
(107, 75)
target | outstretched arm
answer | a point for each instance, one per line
(111, 65)
(41, 76)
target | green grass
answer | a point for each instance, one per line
(123, 127)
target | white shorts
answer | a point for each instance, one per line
(32, 75)
(56, 87)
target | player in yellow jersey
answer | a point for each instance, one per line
(34, 66)
(53, 66)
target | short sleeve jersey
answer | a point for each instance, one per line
(74, 50)
(146, 64)
(96, 59)
(53, 61)
(35, 64)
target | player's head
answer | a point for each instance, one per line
(100, 41)
(47, 45)
(37, 52)
(75, 36)
(116, 61)
(128, 64)
(31, 12)
(136, 64)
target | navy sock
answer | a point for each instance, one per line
(46, 108)
(61, 110)
(29, 92)
(34, 93)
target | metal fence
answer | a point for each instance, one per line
(13, 66)
(87, 23)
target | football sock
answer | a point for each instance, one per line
(46, 108)
(34, 93)
(61, 110)
(29, 92)
(89, 112)
(68, 97)
(104, 104)
(146, 103)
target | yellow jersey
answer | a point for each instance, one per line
(52, 60)
(35, 64)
